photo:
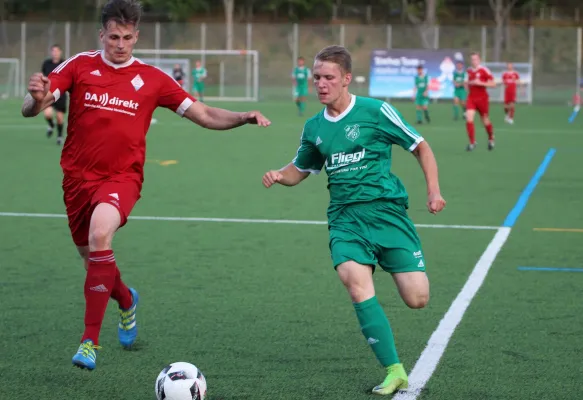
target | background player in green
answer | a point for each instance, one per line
(301, 76)
(460, 93)
(198, 77)
(421, 94)
(352, 139)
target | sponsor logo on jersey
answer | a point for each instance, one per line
(339, 160)
(352, 132)
(105, 102)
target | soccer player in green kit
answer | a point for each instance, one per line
(421, 98)
(352, 139)
(198, 77)
(459, 93)
(301, 76)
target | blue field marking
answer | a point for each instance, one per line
(525, 195)
(550, 269)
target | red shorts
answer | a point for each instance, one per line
(81, 197)
(479, 104)
(509, 96)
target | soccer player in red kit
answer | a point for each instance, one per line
(479, 79)
(510, 79)
(112, 98)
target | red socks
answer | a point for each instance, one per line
(471, 132)
(511, 113)
(490, 130)
(102, 281)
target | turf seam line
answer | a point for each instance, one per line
(242, 220)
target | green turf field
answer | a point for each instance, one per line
(258, 307)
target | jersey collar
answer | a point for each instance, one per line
(343, 114)
(117, 66)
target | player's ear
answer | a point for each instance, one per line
(347, 78)
(136, 36)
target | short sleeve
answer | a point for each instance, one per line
(396, 130)
(172, 95)
(63, 76)
(308, 157)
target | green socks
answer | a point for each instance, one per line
(456, 112)
(377, 331)
(419, 115)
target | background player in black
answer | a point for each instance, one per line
(178, 74)
(60, 106)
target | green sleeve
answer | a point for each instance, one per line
(308, 157)
(396, 130)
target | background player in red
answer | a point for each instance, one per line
(112, 98)
(511, 80)
(479, 79)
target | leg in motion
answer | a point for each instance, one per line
(48, 114)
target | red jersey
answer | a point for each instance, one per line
(482, 74)
(510, 79)
(111, 107)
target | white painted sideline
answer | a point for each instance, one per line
(439, 340)
(242, 220)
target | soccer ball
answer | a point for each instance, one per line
(180, 381)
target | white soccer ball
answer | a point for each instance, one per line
(180, 381)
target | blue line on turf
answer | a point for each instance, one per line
(525, 195)
(552, 269)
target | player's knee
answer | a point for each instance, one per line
(418, 300)
(100, 238)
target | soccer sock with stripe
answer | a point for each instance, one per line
(99, 283)
(471, 132)
(377, 331)
(120, 292)
(419, 115)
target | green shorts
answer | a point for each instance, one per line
(198, 87)
(378, 232)
(460, 94)
(300, 91)
(422, 101)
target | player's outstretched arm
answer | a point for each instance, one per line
(38, 97)
(221, 119)
(287, 176)
(426, 158)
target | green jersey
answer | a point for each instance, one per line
(302, 76)
(355, 150)
(421, 84)
(459, 77)
(199, 74)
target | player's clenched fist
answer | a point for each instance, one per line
(271, 178)
(435, 203)
(38, 86)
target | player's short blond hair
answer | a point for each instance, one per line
(337, 55)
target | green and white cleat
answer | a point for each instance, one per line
(396, 380)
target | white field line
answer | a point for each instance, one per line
(242, 220)
(427, 362)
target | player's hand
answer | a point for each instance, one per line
(38, 86)
(256, 118)
(271, 178)
(435, 203)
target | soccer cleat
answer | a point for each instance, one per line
(59, 141)
(396, 380)
(491, 145)
(127, 330)
(470, 147)
(86, 355)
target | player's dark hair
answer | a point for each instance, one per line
(337, 55)
(56, 46)
(474, 53)
(123, 12)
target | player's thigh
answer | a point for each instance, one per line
(120, 191)
(413, 288)
(357, 278)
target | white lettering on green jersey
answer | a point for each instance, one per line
(355, 149)
(199, 74)
(301, 75)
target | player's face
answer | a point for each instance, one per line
(419, 71)
(198, 64)
(460, 66)
(510, 67)
(329, 81)
(300, 62)
(56, 53)
(118, 41)
(475, 60)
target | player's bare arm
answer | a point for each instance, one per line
(287, 176)
(426, 158)
(221, 119)
(38, 97)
